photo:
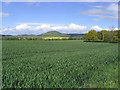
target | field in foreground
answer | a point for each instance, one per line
(67, 64)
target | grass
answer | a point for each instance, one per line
(62, 64)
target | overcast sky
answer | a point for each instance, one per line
(65, 17)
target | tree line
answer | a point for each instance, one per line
(37, 38)
(102, 36)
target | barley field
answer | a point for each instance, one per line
(59, 64)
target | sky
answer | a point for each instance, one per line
(65, 17)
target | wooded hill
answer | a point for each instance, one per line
(58, 34)
(54, 34)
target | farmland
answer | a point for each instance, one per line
(61, 63)
(55, 38)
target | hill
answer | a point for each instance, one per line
(47, 34)
(54, 34)
(58, 34)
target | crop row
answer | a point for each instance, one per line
(55, 64)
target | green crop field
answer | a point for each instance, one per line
(61, 63)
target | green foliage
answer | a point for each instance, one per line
(75, 38)
(106, 36)
(70, 38)
(38, 38)
(103, 32)
(91, 36)
(21, 38)
(99, 35)
(59, 64)
(117, 35)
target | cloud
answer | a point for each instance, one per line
(23, 26)
(116, 28)
(4, 14)
(39, 28)
(71, 28)
(97, 28)
(93, 12)
(42, 28)
(98, 6)
(75, 26)
(109, 13)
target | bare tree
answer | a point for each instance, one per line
(112, 29)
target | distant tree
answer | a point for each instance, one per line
(116, 36)
(107, 36)
(103, 34)
(111, 36)
(70, 38)
(91, 36)
(112, 29)
(85, 36)
(99, 35)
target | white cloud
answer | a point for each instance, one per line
(109, 13)
(116, 28)
(75, 26)
(113, 7)
(59, 28)
(42, 28)
(96, 28)
(71, 28)
(4, 14)
(23, 26)
(30, 28)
